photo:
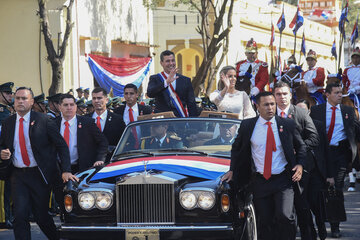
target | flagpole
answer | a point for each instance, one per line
(294, 44)
(341, 39)
(278, 60)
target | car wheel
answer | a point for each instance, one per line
(250, 232)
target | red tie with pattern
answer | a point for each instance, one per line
(67, 132)
(332, 124)
(270, 148)
(98, 124)
(282, 114)
(24, 153)
(133, 130)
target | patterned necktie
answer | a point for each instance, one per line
(98, 124)
(24, 153)
(332, 124)
(270, 148)
(67, 132)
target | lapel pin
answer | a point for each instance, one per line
(289, 116)
(346, 116)
(141, 113)
(281, 129)
(79, 125)
(109, 119)
(32, 123)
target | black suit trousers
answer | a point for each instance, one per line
(30, 192)
(275, 211)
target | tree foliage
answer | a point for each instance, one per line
(56, 58)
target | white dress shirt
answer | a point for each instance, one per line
(74, 156)
(103, 117)
(161, 140)
(126, 117)
(339, 131)
(173, 83)
(18, 160)
(286, 111)
(258, 147)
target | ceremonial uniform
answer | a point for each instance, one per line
(351, 75)
(260, 75)
(259, 72)
(168, 141)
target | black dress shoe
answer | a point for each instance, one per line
(322, 232)
(336, 234)
(9, 224)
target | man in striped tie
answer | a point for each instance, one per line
(268, 166)
(341, 133)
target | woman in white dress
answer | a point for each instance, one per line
(228, 98)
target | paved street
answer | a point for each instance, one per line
(350, 229)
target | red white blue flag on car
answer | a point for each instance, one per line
(297, 21)
(115, 73)
(202, 167)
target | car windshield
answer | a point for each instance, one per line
(183, 136)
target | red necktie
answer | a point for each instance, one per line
(282, 114)
(332, 124)
(67, 132)
(270, 148)
(23, 150)
(98, 124)
(133, 130)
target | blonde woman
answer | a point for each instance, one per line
(228, 98)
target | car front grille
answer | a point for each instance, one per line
(145, 203)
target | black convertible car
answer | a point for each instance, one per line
(163, 182)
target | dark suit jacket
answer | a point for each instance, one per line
(318, 112)
(91, 143)
(143, 110)
(46, 143)
(114, 127)
(242, 164)
(321, 153)
(163, 102)
(307, 130)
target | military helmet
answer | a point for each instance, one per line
(251, 46)
(6, 87)
(356, 52)
(311, 54)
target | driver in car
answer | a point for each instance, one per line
(227, 135)
(162, 139)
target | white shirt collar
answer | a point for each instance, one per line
(102, 116)
(286, 110)
(133, 107)
(263, 121)
(328, 106)
(26, 117)
(162, 139)
(71, 121)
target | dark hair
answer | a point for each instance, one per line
(131, 85)
(66, 95)
(330, 86)
(263, 94)
(25, 88)
(280, 84)
(166, 53)
(224, 70)
(306, 102)
(100, 89)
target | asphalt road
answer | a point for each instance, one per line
(349, 229)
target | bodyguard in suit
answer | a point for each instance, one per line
(318, 176)
(110, 124)
(168, 87)
(310, 136)
(341, 134)
(263, 158)
(30, 144)
(87, 145)
(131, 110)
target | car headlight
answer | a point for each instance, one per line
(86, 200)
(188, 200)
(103, 200)
(206, 200)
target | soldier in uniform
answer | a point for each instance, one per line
(80, 93)
(5, 190)
(259, 75)
(314, 77)
(162, 139)
(39, 103)
(351, 75)
(53, 105)
(86, 93)
(81, 107)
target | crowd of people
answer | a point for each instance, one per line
(43, 144)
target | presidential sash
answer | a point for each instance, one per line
(174, 97)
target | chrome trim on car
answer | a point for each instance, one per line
(176, 228)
